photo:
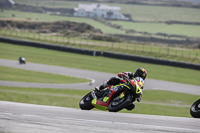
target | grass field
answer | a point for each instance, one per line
(172, 29)
(71, 98)
(44, 56)
(160, 13)
(14, 74)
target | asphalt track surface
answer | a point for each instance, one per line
(96, 78)
(29, 118)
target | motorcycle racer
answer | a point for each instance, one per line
(136, 79)
(139, 72)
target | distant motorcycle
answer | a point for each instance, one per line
(22, 60)
(108, 99)
(195, 109)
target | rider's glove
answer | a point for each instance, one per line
(122, 74)
(119, 75)
(125, 76)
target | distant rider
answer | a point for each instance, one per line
(137, 79)
(22, 60)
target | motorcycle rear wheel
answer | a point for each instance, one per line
(86, 102)
(195, 109)
(119, 103)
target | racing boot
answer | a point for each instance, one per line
(100, 88)
(130, 106)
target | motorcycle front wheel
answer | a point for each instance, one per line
(118, 103)
(86, 102)
(195, 109)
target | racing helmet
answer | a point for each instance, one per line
(140, 72)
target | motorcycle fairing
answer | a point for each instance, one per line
(102, 103)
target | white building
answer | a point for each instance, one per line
(99, 11)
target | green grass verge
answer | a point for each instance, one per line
(159, 96)
(40, 99)
(47, 91)
(19, 75)
(44, 56)
(142, 108)
(71, 98)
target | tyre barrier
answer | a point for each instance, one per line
(151, 60)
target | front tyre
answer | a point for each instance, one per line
(86, 102)
(195, 109)
(119, 103)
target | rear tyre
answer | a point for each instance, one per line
(195, 109)
(86, 102)
(119, 103)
